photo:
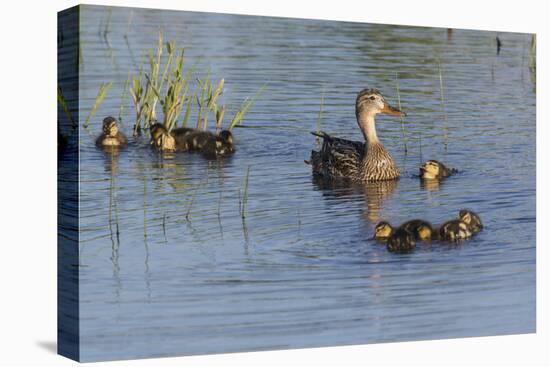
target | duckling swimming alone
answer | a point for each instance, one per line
(401, 241)
(454, 230)
(471, 219)
(433, 169)
(110, 135)
(356, 160)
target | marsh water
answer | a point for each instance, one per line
(169, 267)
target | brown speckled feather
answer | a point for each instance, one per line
(347, 159)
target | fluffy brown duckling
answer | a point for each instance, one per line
(454, 230)
(383, 231)
(433, 169)
(209, 144)
(169, 141)
(471, 219)
(110, 135)
(401, 241)
(420, 229)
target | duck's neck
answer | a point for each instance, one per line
(367, 125)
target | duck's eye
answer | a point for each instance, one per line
(372, 98)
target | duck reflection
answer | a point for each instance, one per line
(375, 193)
(111, 158)
(430, 184)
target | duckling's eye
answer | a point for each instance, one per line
(372, 98)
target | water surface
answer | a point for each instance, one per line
(186, 275)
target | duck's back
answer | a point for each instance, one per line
(337, 157)
(181, 135)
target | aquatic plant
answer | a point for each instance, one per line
(103, 90)
(320, 115)
(244, 200)
(402, 118)
(123, 97)
(208, 100)
(245, 106)
(63, 103)
(138, 92)
(171, 89)
(175, 97)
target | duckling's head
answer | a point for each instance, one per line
(383, 230)
(424, 232)
(110, 126)
(471, 219)
(161, 138)
(371, 102)
(431, 169)
(226, 136)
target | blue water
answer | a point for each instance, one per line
(186, 275)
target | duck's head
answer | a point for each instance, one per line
(471, 219)
(431, 169)
(226, 136)
(161, 138)
(372, 102)
(110, 126)
(383, 230)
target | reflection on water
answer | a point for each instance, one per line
(374, 193)
(169, 266)
(431, 184)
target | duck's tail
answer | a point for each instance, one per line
(321, 134)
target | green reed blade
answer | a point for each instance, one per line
(239, 116)
(63, 103)
(404, 136)
(103, 90)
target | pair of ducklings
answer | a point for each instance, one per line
(185, 139)
(403, 238)
(179, 139)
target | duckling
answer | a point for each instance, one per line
(454, 230)
(181, 135)
(383, 231)
(420, 229)
(471, 219)
(401, 241)
(110, 135)
(162, 139)
(211, 145)
(433, 169)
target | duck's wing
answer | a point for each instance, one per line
(337, 157)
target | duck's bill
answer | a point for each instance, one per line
(390, 110)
